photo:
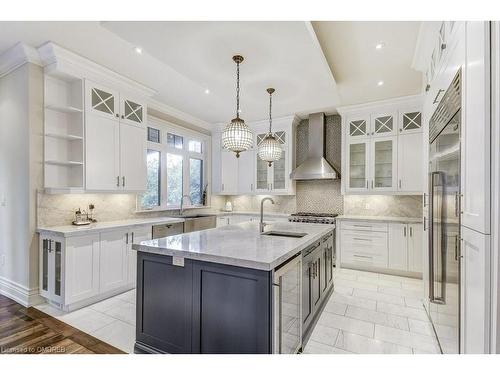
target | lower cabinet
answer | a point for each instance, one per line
(80, 270)
(317, 278)
(377, 245)
(202, 307)
(475, 293)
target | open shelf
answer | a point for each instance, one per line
(64, 134)
(61, 108)
(67, 163)
(68, 137)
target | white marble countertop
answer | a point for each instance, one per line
(394, 219)
(238, 245)
(74, 230)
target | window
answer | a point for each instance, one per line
(151, 197)
(175, 141)
(174, 179)
(153, 135)
(176, 166)
(196, 180)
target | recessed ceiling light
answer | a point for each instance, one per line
(380, 45)
(207, 91)
(138, 50)
(380, 83)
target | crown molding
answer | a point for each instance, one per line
(62, 61)
(178, 114)
(16, 56)
(402, 100)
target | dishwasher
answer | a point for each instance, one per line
(165, 230)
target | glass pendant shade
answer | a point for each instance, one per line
(270, 149)
(237, 136)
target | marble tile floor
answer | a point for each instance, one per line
(368, 313)
(371, 313)
(111, 320)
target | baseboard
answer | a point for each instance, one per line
(19, 293)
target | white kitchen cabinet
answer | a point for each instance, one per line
(133, 157)
(410, 166)
(376, 245)
(115, 144)
(383, 166)
(416, 251)
(51, 268)
(357, 165)
(136, 236)
(102, 147)
(113, 260)
(275, 178)
(81, 268)
(101, 100)
(384, 124)
(246, 167)
(475, 293)
(475, 137)
(398, 246)
(382, 147)
(229, 173)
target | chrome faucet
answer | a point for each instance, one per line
(182, 203)
(262, 224)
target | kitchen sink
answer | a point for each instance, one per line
(194, 223)
(278, 233)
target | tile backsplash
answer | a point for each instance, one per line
(383, 205)
(59, 209)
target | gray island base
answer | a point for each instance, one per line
(232, 289)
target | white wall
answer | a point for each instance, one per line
(21, 152)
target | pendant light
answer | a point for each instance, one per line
(270, 149)
(237, 136)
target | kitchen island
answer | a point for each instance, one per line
(232, 289)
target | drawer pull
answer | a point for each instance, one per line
(362, 239)
(362, 226)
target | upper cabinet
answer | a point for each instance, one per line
(382, 147)
(115, 141)
(95, 129)
(248, 174)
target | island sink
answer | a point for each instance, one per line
(284, 234)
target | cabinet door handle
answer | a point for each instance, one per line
(123, 181)
(425, 224)
(425, 199)
(411, 231)
(117, 115)
(132, 241)
(126, 238)
(123, 117)
(367, 184)
(404, 230)
(118, 181)
(400, 184)
(251, 187)
(372, 184)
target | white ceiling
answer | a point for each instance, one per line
(358, 66)
(182, 59)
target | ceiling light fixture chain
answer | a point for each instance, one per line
(270, 149)
(237, 136)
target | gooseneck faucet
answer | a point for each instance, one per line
(182, 203)
(262, 224)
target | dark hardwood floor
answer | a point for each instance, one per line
(30, 331)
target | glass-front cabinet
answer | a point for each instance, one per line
(272, 178)
(357, 162)
(51, 268)
(384, 163)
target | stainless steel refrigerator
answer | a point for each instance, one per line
(443, 304)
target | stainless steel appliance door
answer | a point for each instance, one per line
(287, 309)
(444, 232)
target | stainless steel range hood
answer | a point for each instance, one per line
(315, 167)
